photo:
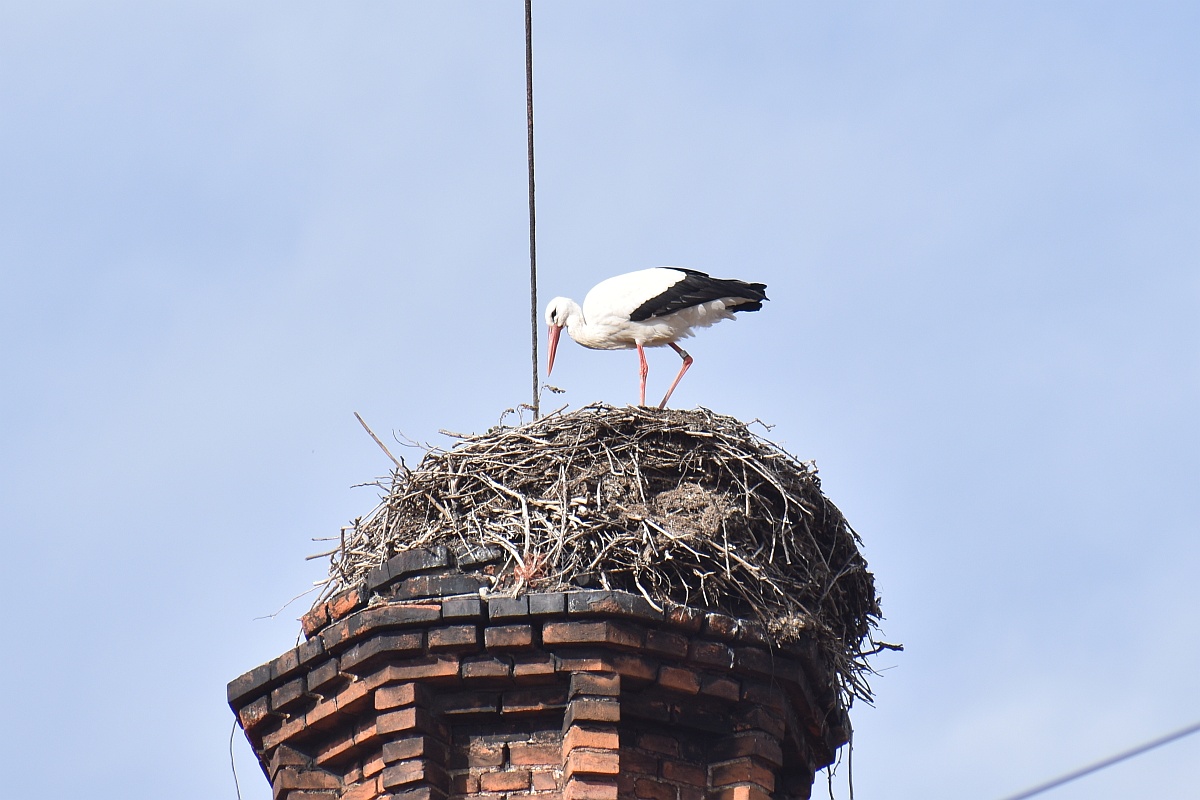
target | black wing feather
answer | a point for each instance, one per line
(696, 288)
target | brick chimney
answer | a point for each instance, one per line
(414, 686)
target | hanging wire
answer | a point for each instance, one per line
(533, 309)
(1108, 762)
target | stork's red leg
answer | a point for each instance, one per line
(645, 370)
(687, 362)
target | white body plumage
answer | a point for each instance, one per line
(650, 308)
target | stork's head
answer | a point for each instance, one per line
(559, 310)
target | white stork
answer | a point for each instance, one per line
(650, 308)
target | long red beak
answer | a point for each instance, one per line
(555, 331)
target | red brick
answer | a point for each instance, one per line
(372, 767)
(650, 789)
(485, 667)
(744, 770)
(724, 688)
(635, 667)
(665, 643)
(421, 771)
(285, 732)
(352, 698)
(605, 632)
(741, 793)
(343, 603)
(404, 772)
(415, 747)
(485, 754)
(284, 756)
(455, 637)
(692, 793)
(509, 781)
(595, 683)
(682, 772)
(536, 795)
(464, 783)
(367, 790)
(601, 738)
(296, 778)
(534, 701)
(535, 753)
(508, 637)
(764, 695)
(751, 743)
(424, 792)
(638, 763)
(410, 720)
(588, 710)
(529, 665)
(441, 666)
(314, 620)
(759, 718)
(657, 743)
(543, 780)
(679, 679)
(579, 789)
(585, 662)
(398, 696)
(592, 762)
(255, 714)
(313, 794)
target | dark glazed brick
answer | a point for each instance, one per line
(713, 654)
(508, 607)
(479, 554)
(508, 637)
(379, 577)
(415, 747)
(701, 717)
(287, 695)
(614, 603)
(462, 607)
(247, 684)
(595, 684)
(393, 615)
(547, 604)
(720, 625)
(311, 650)
(359, 656)
(323, 676)
(420, 586)
(685, 617)
(419, 560)
(753, 660)
(458, 637)
(662, 643)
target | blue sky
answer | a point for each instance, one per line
(224, 227)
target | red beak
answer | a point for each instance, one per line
(555, 331)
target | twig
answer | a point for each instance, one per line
(382, 446)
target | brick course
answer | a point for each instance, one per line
(585, 695)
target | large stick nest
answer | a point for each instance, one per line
(686, 506)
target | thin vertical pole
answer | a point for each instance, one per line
(533, 304)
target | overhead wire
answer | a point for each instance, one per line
(1107, 762)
